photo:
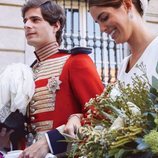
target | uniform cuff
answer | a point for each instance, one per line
(56, 141)
(49, 145)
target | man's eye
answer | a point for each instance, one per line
(35, 20)
(24, 21)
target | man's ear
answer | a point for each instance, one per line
(56, 26)
(127, 4)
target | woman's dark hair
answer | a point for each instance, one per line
(115, 4)
(51, 12)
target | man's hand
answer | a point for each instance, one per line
(73, 124)
(5, 137)
(36, 150)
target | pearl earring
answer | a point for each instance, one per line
(130, 15)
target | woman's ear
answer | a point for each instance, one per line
(127, 4)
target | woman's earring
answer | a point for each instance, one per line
(130, 15)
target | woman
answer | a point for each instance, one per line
(122, 19)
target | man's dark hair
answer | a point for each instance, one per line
(51, 12)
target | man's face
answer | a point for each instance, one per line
(38, 32)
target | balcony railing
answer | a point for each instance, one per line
(80, 30)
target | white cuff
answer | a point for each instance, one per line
(48, 141)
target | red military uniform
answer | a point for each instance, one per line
(64, 83)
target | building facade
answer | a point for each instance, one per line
(80, 30)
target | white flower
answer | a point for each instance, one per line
(99, 127)
(115, 93)
(117, 124)
(134, 108)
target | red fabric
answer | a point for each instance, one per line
(80, 82)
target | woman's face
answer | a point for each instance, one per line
(114, 22)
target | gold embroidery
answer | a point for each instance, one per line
(48, 96)
(44, 97)
(55, 60)
(44, 110)
(49, 66)
(44, 92)
(48, 71)
(42, 126)
(42, 106)
(39, 103)
(45, 76)
(40, 89)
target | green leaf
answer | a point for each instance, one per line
(152, 96)
(154, 82)
(120, 153)
(112, 152)
(154, 91)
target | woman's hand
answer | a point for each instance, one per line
(37, 150)
(5, 137)
(73, 124)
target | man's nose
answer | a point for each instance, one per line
(28, 24)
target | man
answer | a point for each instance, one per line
(64, 82)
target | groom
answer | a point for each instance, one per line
(64, 82)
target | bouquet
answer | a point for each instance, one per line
(123, 125)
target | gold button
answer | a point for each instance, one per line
(32, 118)
(32, 101)
(25, 124)
(33, 126)
(36, 71)
(32, 110)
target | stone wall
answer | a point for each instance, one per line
(13, 46)
(152, 16)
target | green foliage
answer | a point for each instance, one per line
(123, 124)
(152, 140)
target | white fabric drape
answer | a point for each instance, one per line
(16, 89)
